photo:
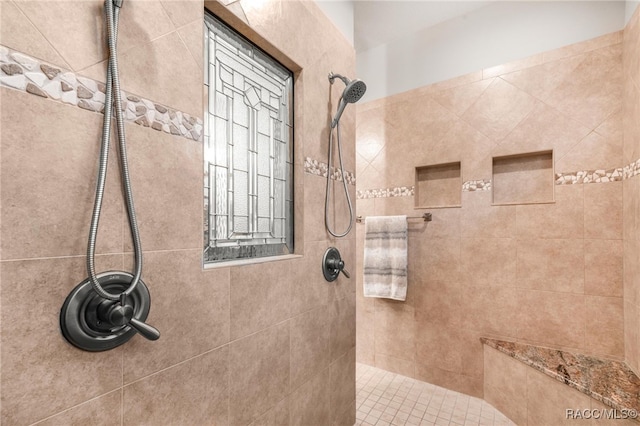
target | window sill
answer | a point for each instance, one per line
(253, 261)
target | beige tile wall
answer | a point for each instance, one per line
(631, 193)
(265, 344)
(547, 274)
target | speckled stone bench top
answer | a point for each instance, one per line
(610, 382)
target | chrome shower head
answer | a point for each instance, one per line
(352, 93)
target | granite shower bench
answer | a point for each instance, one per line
(540, 386)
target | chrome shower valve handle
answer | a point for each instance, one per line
(144, 329)
(121, 314)
(338, 265)
(116, 314)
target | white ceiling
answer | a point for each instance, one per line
(380, 22)
(404, 44)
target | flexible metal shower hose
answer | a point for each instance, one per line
(112, 96)
(344, 184)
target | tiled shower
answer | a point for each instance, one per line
(557, 270)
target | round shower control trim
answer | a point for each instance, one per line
(95, 324)
(332, 265)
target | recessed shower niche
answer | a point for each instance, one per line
(438, 186)
(523, 178)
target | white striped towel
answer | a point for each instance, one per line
(385, 257)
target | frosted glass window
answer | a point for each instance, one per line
(248, 204)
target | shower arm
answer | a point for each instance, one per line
(333, 76)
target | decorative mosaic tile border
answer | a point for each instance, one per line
(27, 74)
(22, 72)
(590, 176)
(599, 176)
(318, 168)
(581, 177)
(477, 185)
(398, 191)
(408, 191)
(632, 169)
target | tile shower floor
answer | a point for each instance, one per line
(384, 398)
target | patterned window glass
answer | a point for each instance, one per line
(248, 154)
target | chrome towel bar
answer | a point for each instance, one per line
(427, 217)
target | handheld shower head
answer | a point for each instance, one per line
(352, 93)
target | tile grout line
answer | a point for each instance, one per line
(15, 4)
(75, 406)
(78, 256)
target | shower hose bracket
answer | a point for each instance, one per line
(95, 324)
